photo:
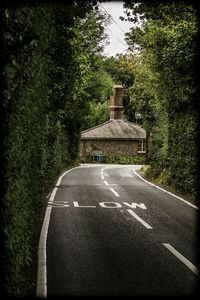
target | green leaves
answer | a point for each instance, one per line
(47, 49)
(164, 90)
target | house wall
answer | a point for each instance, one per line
(109, 147)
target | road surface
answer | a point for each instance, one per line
(112, 234)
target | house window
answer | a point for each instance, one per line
(142, 147)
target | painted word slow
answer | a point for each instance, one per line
(76, 204)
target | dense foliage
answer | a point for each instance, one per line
(98, 84)
(56, 82)
(116, 159)
(48, 57)
(164, 91)
(122, 71)
(100, 87)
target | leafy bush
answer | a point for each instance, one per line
(165, 89)
(43, 109)
(116, 159)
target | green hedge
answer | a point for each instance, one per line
(183, 153)
(116, 159)
(40, 135)
(175, 161)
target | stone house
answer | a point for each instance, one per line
(116, 136)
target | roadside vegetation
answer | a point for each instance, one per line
(57, 82)
(116, 159)
(165, 89)
(49, 67)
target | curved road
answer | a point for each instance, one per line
(112, 234)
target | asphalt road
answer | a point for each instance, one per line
(112, 234)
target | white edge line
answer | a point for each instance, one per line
(48, 195)
(53, 194)
(164, 190)
(182, 258)
(41, 289)
(106, 183)
(139, 219)
(114, 192)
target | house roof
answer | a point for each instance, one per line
(115, 130)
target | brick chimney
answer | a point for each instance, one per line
(116, 103)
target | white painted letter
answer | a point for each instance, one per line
(135, 205)
(77, 205)
(110, 204)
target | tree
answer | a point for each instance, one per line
(122, 70)
(167, 39)
(45, 77)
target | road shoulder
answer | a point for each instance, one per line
(170, 189)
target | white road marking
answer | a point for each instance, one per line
(164, 190)
(42, 269)
(41, 289)
(102, 177)
(106, 183)
(134, 205)
(76, 204)
(182, 258)
(53, 194)
(48, 195)
(139, 219)
(58, 204)
(102, 171)
(114, 192)
(110, 204)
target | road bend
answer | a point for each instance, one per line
(112, 234)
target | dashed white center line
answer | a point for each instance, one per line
(139, 219)
(182, 258)
(114, 192)
(107, 184)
